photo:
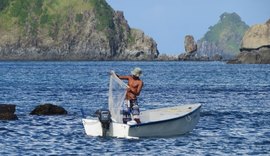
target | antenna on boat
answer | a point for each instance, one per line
(83, 114)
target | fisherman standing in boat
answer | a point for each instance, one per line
(135, 86)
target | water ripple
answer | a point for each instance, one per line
(234, 118)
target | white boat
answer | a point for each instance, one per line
(160, 122)
(157, 122)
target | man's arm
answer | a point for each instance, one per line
(119, 76)
(123, 77)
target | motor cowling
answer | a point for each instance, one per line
(104, 116)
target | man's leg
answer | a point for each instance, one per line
(135, 111)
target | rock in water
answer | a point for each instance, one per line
(48, 109)
(7, 112)
(8, 116)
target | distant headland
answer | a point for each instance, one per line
(69, 30)
(92, 30)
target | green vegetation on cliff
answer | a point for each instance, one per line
(51, 14)
(227, 33)
(3, 4)
(104, 13)
(69, 30)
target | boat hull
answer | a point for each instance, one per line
(170, 127)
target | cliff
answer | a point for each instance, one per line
(255, 46)
(69, 30)
(224, 38)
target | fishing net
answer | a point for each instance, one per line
(117, 93)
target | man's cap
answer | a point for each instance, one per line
(137, 72)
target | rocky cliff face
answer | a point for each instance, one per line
(257, 36)
(255, 46)
(223, 39)
(69, 30)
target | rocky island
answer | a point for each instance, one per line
(255, 46)
(223, 40)
(69, 30)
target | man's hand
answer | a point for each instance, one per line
(111, 72)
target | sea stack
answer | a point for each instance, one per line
(190, 48)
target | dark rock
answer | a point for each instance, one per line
(234, 61)
(192, 57)
(265, 55)
(165, 57)
(48, 109)
(243, 49)
(261, 56)
(203, 58)
(217, 57)
(7, 108)
(8, 116)
(7, 112)
(249, 57)
(183, 57)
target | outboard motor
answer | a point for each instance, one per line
(104, 117)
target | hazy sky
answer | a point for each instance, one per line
(168, 21)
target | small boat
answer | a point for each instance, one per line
(161, 122)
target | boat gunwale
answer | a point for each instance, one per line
(166, 120)
(160, 121)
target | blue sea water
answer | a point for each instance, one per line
(235, 116)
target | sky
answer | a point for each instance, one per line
(169, 21)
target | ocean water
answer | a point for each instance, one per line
(235, 116)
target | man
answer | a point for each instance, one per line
(134, 89)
